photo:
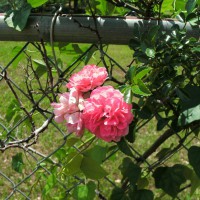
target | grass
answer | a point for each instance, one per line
(51, 139)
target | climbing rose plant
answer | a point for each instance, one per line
(88, 105)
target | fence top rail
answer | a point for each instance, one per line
(85, 29)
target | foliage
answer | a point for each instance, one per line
(162, 83)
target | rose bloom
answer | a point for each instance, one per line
(69, 107)
(88, 78)
(74, 123)
(106, 114)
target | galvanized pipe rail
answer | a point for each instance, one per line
(82, 29)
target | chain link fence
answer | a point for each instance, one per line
(34, 148)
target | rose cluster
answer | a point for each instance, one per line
(100, 109)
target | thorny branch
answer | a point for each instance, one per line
(24, 143)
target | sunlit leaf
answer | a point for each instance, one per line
(190, 109)
(17, 19)
(179, 4)
(167, 6)
(128, 95)
(150, 52)
(141, 73)
(143, 88)
(131, 73)
(36, 3)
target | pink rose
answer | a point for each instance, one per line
(106, 114)
(69, 107)
(88, 78)
(75, 123)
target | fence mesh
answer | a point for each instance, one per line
(34, 148)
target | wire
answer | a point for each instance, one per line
(52, 36)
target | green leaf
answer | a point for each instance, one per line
(150, 52)
(118, 194)
(190, 115)
(123, 146)
(142, 195)
(190, 109)
(92, 169)
(91, 190)
(36, 3)
(77, 49)
(144, 88)
(17, 19)
(142, 183)
(89, 55)
(80, 192)
(50, 183)
(195, 183)
(85, 192)
(182, 95)
(72, 141)
(194, 159)
(12, 109)
(60, 154)
(136, 90)
(17, 162)
(128, 95)
(130, 170)
(193, 19)
(13, 53)
(141, 73)
(131, 73)
(179, 5)
(190, 5)
(39, 62)
(4, 3)
(102, 7)
(97, 153)
(130, 137)
(41, 67)
(167, 6)
(152, 33)
(162, 122)
(170, 178)
(74, 165)
(145, 113)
